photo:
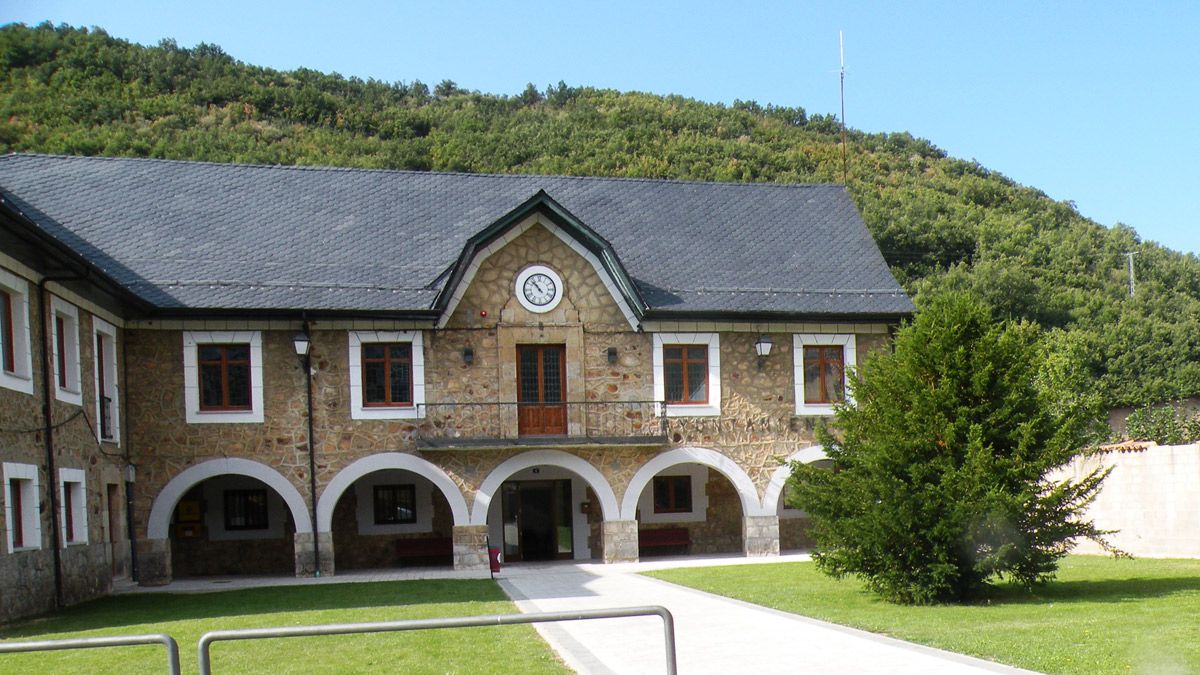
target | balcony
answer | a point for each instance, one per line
(457, 426)
(106, 421)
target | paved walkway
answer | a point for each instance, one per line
(713, 634)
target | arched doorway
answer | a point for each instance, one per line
(794, 524)
(545, 505)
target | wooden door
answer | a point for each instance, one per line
(541, 390)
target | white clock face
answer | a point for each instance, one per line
(540, 289)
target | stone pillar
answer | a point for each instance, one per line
(760, 535)
(154, 562)
(470, 547)
(620, 540)
(304, 553)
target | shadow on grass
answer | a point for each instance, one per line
(1101, 590)
(111, 613)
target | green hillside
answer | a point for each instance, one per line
(941, 222)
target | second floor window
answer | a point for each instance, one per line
(685, 371)
(824, 374)
(8, 351)
(224, 376)
(387, 374)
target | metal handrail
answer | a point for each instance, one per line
(95, 642)
(210, 637)
(586, 419)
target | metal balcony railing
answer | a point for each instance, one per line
(455, 425)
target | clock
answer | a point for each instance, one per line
(539, 289)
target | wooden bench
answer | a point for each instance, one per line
(432, 550)
(663, 541)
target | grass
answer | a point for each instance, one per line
(187, 617)
(1101, 615)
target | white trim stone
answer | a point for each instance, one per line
(357, 338)
(73, 392)
(711, 458)
(191, 377)
(573, 463)
(31, 523)
(75, 481)
(814, 453)
(103, 329)
(21, 379)
(713, 341)
(383, 461)
(849, 359)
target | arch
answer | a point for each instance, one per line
(711, 458)
(164, 504)
(577, 465)
(379, 462)
(813, 453)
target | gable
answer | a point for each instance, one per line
(489, 284)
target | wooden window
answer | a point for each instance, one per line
(395, 504)
(387, 374)
(18, 513)
(672, 494)
(824, 374)
(246, 509)
(60, 332)
(224, 376)
(8, 352)
(103, 379)
(68, 512)
(685, 371)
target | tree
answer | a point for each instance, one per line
(938, 484)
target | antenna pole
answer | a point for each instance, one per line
(1132, 282)
(842, 92)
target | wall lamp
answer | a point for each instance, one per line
(762, 347)
(301, 342)
(468, 355)
(612, 355)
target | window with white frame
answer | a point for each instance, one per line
(108, 425)
(687, 373)
(822, 371)
(64, 343)
(16, 355)
(222, 376)
(21, 507)
(72, 505)
(387, 374)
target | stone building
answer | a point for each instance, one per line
(560, 367)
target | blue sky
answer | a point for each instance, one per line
(1097, 102)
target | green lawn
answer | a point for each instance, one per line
(1100, 616)
(187, 617)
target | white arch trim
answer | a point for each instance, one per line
(382, 461)
(808, 455)
(729, 468)
(173, 491)
(577, 465)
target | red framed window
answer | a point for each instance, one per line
(685, 372)
(60, 336)
(246, 510)
(68, 512)
(18, 513)
(8, 353)
(672, 494)
(387, 374)
(824, 374)
(224, 376)
(395, 504)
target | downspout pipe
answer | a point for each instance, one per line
(312, 452)
(48, 435)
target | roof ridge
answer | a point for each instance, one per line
(413, 172)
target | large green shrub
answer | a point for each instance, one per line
(938, 484)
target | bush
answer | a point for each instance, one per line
(1163, 424)
(938, 485)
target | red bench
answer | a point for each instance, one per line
(663, 540)
(426, 549)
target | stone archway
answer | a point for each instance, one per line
(715, 460)
(577, 465)
(154, 552)
(808, 455)
(389, 460)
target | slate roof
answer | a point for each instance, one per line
(198, 235)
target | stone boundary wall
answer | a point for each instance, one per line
(1151, 498)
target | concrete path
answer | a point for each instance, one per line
(713, 634)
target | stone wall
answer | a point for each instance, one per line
(27, 575)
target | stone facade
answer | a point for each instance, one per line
(100, 551)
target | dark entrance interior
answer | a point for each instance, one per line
(541, 390)
(537, 520)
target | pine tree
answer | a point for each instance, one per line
(938, 484)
